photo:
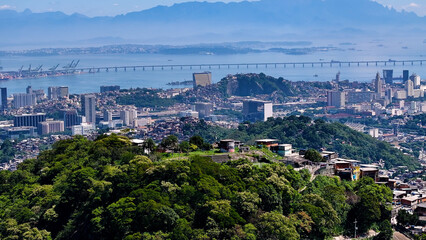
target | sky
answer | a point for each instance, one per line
(115, 7)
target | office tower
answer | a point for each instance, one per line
(48, 127)
(338, 77)
(378, 86)
(3, 98)
(389, 95)
(336, 99)
(52, 93)
(63, 92)
(24, 99)
(203, 109)
(202, 79)
(409, 88)
(110, 88)
(28, 119)
(29, 90)
(405, 75)
(88, 107)
(388, 76)
(124, 116)
(107, 115)
(256, 110)
(71, 118)
(55, 93)
(416, 80)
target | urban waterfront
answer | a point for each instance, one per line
(90, 82)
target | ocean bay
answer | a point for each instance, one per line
(90, 82)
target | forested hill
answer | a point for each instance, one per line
(256, 84)
(105, 189)
(305, 133)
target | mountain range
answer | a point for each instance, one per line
(192, 22)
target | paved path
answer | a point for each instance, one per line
(399, 236)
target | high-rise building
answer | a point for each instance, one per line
(28, 119)
(336, 99)
(29, 90)
(388, 76)
(202, 79)
(55, 93)
(71, 118)
(405, 75)
(416, 80)
(378, 86)
(52, 93)
(409, 88)
(3, 98)
(203, 109)
(48, 127)
(128, 116)
(88, 107)
(389, 95)
(63, 92)
(338, 77)
(24, 99)
(256, 110)
(107, 115)
(110, 88)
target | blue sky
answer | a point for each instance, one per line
(115, 7)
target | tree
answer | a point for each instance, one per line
(170, 142)
(313, 155)
(322, 213)
(386, 231)
(273, 225)
(404, 218)
(184, 146)
(148, 145)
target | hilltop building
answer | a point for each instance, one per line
(202, 79)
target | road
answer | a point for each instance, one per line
(399, 236)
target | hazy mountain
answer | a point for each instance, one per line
(203, 22)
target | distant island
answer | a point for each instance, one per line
(289, 48)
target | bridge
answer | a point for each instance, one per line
(255, 65)
(208, 66)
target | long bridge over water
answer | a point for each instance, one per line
(207, 66)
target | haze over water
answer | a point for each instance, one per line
(90, 82)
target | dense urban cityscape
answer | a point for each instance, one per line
(243, 120)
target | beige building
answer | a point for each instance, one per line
(202, 79)
(48, 127)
